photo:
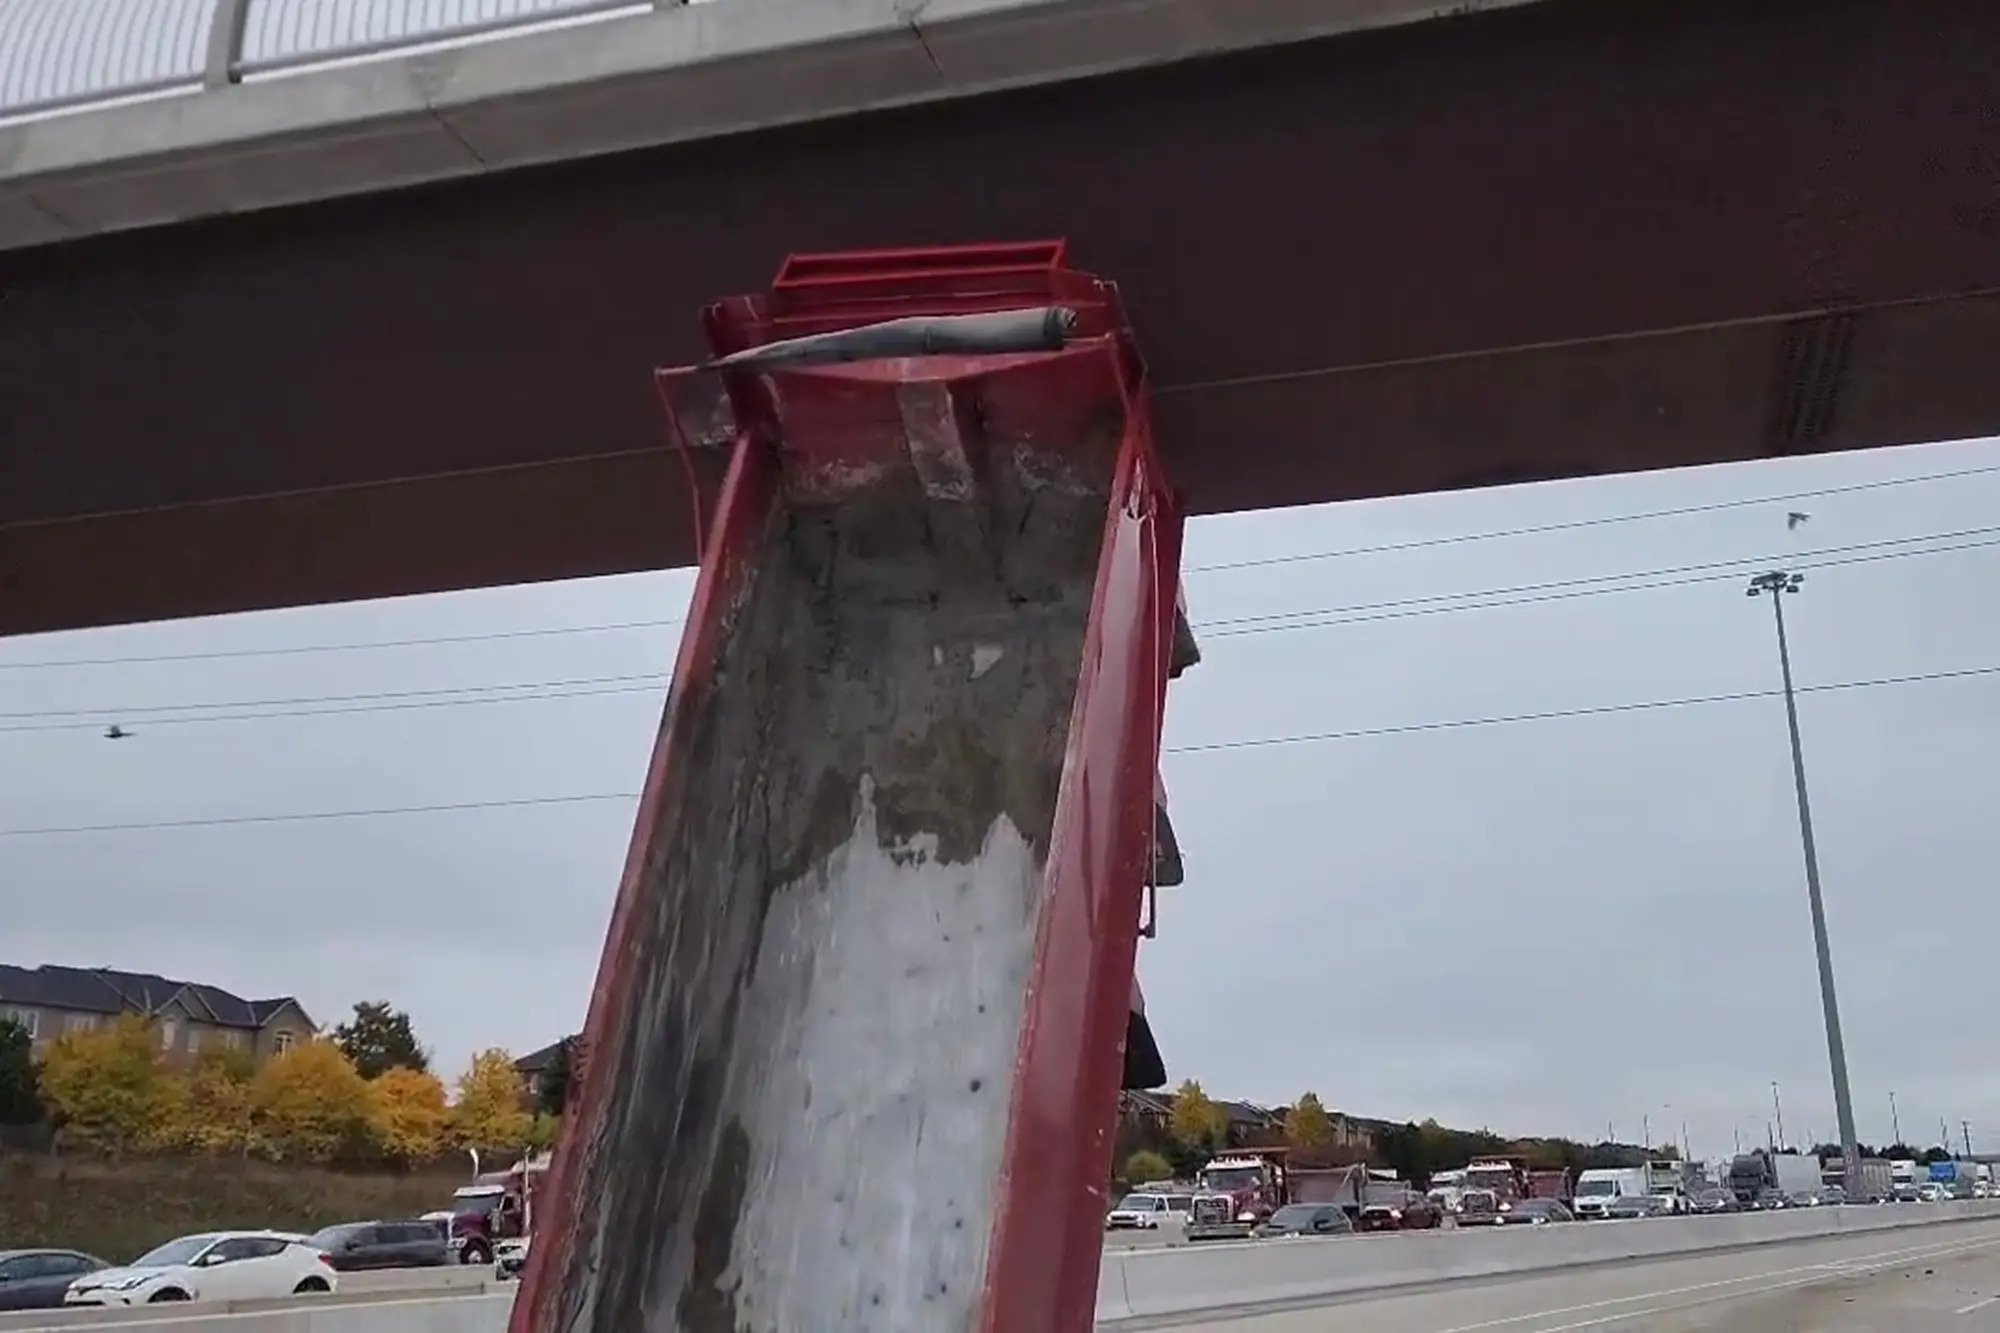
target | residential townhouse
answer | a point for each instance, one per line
(191, 1017)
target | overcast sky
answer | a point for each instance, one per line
(1547, 926)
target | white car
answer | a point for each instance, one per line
(510, 1259)
(213, 1266)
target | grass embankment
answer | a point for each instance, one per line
(118, 1210)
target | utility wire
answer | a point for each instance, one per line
(1413, 544)
(1596, 710)
(308, 816)
(650, 676)
(491, 636)
(1556, 590)
(147, 723)
(1255, 742)
(1605, 520)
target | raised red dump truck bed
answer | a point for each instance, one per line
(853, 1055)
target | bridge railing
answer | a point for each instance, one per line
(67, 55)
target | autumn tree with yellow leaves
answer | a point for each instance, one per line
(207, 1105)
(407, 1116)
(1196, 1121)
(491, 1110)
(310, 1104)
(105, 1086)
(111, 1090)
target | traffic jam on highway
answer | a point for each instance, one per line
(1258, 1194)
(1246, 1194)
(484, 1223)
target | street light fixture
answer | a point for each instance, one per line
(1777, 583)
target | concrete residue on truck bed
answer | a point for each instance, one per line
(812, 1083)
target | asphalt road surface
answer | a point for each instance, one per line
(1933, 1280)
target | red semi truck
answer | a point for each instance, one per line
(496, 1206)
(1240, 1189)
(1492, 1185)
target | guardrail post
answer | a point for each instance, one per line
(225, 43)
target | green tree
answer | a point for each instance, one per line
(553, 1083)
(1145, 1166)
(379, 1039)
(1196, 1122)
(543, 1131)
(20, 1084)
(1307, 1125)
(1404, 1151)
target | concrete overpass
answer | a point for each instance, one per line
(357, 320)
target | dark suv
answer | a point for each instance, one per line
(1411, 1213)
(353, 1246)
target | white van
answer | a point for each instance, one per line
(1600, 1187)
(1146, 1211)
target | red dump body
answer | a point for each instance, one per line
(854, 1049)
(1551, 1184)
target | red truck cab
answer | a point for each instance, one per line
(496, 1206)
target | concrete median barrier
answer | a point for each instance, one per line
(1140, 1285)
(355, 1289)
(469, 1311)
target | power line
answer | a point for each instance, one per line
(1557, 590)
(310, 816)
(651, 676)
(491, 636)
(1605, 520)
(1590, 585)
(148, 723)
(1256, 742)
(1595, 710)
(1384, 548)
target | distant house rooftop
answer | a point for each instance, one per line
(534, 1062)
(106, 990)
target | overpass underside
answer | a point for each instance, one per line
(1569, 239)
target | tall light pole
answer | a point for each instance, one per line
(1895, 1125)
(1780, 583)
(1778, 1110)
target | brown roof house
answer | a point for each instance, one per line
(191, 1017)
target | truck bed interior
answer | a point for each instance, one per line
(805, 1059)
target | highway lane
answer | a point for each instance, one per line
(1932, 1280)
(390, 1287)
